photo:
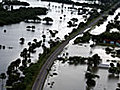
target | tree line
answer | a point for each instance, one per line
(16, 16)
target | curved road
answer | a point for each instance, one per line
(39, 82)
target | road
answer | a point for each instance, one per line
(39, 82)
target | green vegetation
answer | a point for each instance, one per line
(114, 36)
(113, 52)
(16, 3)
(2, 76)
(99, 39)
(76, 60)
(90, 79)
(28, 69)
(33, 70)
(72, 22)
(16, 16)
(92, 63)
(101, 21)
(48, 19)
(112, 25)
(114, 69)
(84, 39)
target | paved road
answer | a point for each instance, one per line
(39, 82)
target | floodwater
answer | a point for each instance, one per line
(10, 38)
(72, 77)
(100, 29)
(14, 32)
(69, 77)
(87, 1)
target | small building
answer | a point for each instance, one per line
(107, 41)
(104, 66)
(112, 42)
(118, 43)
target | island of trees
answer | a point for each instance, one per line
(18, 15)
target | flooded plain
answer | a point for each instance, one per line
(72, 77)
(11, 34)
(69, 77)
(10, 38)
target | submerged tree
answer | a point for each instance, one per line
(69, 24)
(48, 19)
(94, 60)
(2, 76)
(74, 20)
(22, 40)
(90, 79)
(114, 70)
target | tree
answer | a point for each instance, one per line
(17, 63)
(33, 27)
(113, 69)
(90, 79)
(81, 24)
(2, 76)
(69, 24)
(44, 36)
(29, 43)
(91, 83)
(22, 40)
(74, 20)
(112, 65)
(96, 60)
(35, 40)
(48, 19)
